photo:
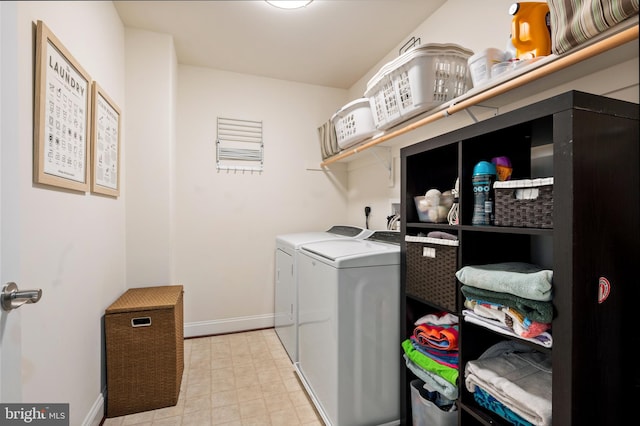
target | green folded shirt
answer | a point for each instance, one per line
(428, 364)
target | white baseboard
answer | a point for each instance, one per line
(228, 325)
(95, 415)
(194, 329)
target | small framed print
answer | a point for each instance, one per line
(61, 115)
(105, 143)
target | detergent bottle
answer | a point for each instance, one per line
(484, 175)
(530, 29)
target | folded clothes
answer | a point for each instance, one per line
(508, 317)
(486, 400)
(518, 377)
(439, 337)
(448, 358)
(517, 278)
(428, 364)
(442, 234)
(439, 318)
(433, 381)
(543, 339)
(534, 310)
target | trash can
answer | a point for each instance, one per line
(144, 341)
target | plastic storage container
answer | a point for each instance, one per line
(427, 413)
(481, 64)
(417, 81)
(353, 123)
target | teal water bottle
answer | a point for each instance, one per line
(484, 174)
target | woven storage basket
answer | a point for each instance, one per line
(513, 210)
(431, 269)
(144, 339)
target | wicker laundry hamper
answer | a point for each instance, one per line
(144, 339)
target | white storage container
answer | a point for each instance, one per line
(426, 413)
(481, 64)
(417, 81)
(353, 123)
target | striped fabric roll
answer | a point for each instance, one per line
(575, 21)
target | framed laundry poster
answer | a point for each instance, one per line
(61, 115)
(105, 143)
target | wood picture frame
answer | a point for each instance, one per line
(105, 143)
(62, 105)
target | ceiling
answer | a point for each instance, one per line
(330, 43)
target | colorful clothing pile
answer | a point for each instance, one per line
(431, 353)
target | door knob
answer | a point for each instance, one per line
(11, 298)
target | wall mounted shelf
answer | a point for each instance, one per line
(612, 47)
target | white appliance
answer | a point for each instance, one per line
(286, 290)
(349, 328)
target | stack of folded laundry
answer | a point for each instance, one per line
(431, 353)
(512, 298)
(514, 381)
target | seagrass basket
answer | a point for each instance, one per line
(526, 203)
(144, 340)
(431, 268)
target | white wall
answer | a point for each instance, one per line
(71, 245)
(150, 127)
(226, 221)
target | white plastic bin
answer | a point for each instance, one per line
(417, 81)
(426, 413)
(353, 123)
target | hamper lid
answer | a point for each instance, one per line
(146, 298)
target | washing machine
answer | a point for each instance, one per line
(286, 290)
(349, 356)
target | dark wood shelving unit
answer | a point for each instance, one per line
(593, 154)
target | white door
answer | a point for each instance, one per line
(10, 330)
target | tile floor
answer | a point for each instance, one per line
(235, 379)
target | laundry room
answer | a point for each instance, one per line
(193, 208)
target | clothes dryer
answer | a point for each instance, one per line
(349, 328)
(286, 290)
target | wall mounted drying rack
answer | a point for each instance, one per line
(618, 36)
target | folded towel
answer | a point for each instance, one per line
(439, 337)
(486, 400)
(428, 364)
(519, 380)
(534, 310)
(517, 278)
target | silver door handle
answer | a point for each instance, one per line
(11, 298)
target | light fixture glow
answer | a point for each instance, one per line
(289, 4)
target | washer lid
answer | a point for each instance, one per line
(296, 240)
(352, 253)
